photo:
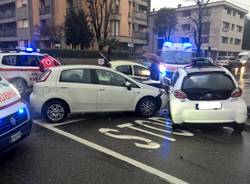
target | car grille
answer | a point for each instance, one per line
(12, 121)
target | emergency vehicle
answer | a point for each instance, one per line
(23, 67)
(15, 121)
(174, 56)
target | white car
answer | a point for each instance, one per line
(83, 88)
(15, 121)
(132, 69)
(206, 95)
(226, 61)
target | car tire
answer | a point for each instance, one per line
(55, 111)
(20, 85)
(238, 128)
(146, 107)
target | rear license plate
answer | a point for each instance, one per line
(209, 105)
(15, 137)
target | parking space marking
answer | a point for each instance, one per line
(69, 122)
(167, 177)
(149, 144)
(130, 126)
(181, 132)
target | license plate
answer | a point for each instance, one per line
(15, 137)
(209, 105)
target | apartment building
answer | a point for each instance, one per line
(22, 22)
(222, 32)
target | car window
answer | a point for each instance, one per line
(126, 69)
(21, 60)
(110, 78)
(174, 79)
(141, 71)
(76, 76)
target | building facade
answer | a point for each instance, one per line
(222, 33)
(22, 21)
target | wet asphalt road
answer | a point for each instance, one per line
(56, 154)
(119, 148)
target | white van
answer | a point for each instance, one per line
(14, 116)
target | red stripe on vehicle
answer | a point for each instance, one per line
(13, 103)
(19, 69)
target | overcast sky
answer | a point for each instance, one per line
(173, 3)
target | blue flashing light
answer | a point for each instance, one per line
(187, 45)
(162, 69)
(168, 43)
(21, 111)
(29, 49)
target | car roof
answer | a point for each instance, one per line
(192, 70)
(125, 62)
(19, 53)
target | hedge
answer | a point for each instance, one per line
(70, 53)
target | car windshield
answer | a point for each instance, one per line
(177, 57)
(202, 86)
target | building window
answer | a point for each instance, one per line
(205, 28)
(115, 7)
(228, 11)
(204, 39)
(21, 3)
(225, 26)
(231, 40)
(23, 23)
(239, 29)
(234, 13)
(186, 13)
(207, 12)
(186, 27)
(115, 28)
(233, 27)
(224, 40)
(237, 42)
(241, 15)
(184, 40)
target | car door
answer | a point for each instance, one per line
(76, 86)
(112, 93)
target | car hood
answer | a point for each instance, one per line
(8, 94)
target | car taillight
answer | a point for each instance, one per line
(44, 76)
(180, 94)
(236, 93)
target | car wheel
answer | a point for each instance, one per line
(238, 128)
(146, 107)
(55, 111)
(20, 85)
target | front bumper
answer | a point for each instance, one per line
(7, 141)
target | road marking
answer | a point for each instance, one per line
(182, 132)
(162, 120)
(69, 122)
(149, 143)
(135, 163)
(130, 125)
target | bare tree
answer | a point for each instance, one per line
(99, 14)
(198, 22)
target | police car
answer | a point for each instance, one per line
(15, 122)
(21, 67)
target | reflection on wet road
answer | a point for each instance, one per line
(242, 74)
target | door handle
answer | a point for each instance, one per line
(101, 89)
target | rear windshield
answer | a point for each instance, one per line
(208, 86)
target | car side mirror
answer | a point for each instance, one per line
(128, 85)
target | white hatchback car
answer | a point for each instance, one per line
(206, 95)
(82, 88)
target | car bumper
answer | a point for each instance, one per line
(8, 140)
(36, 103)
(235, 112)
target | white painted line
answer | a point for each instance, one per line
(58, 124)
(129, 125)
(181, 132)
(135, 163)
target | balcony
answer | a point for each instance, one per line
(7, 14)
(140, 15)
(8, 33)
(140, 35)
(45, 10)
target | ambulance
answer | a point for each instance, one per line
(22, 67)
(174, 56)
(15, 121)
